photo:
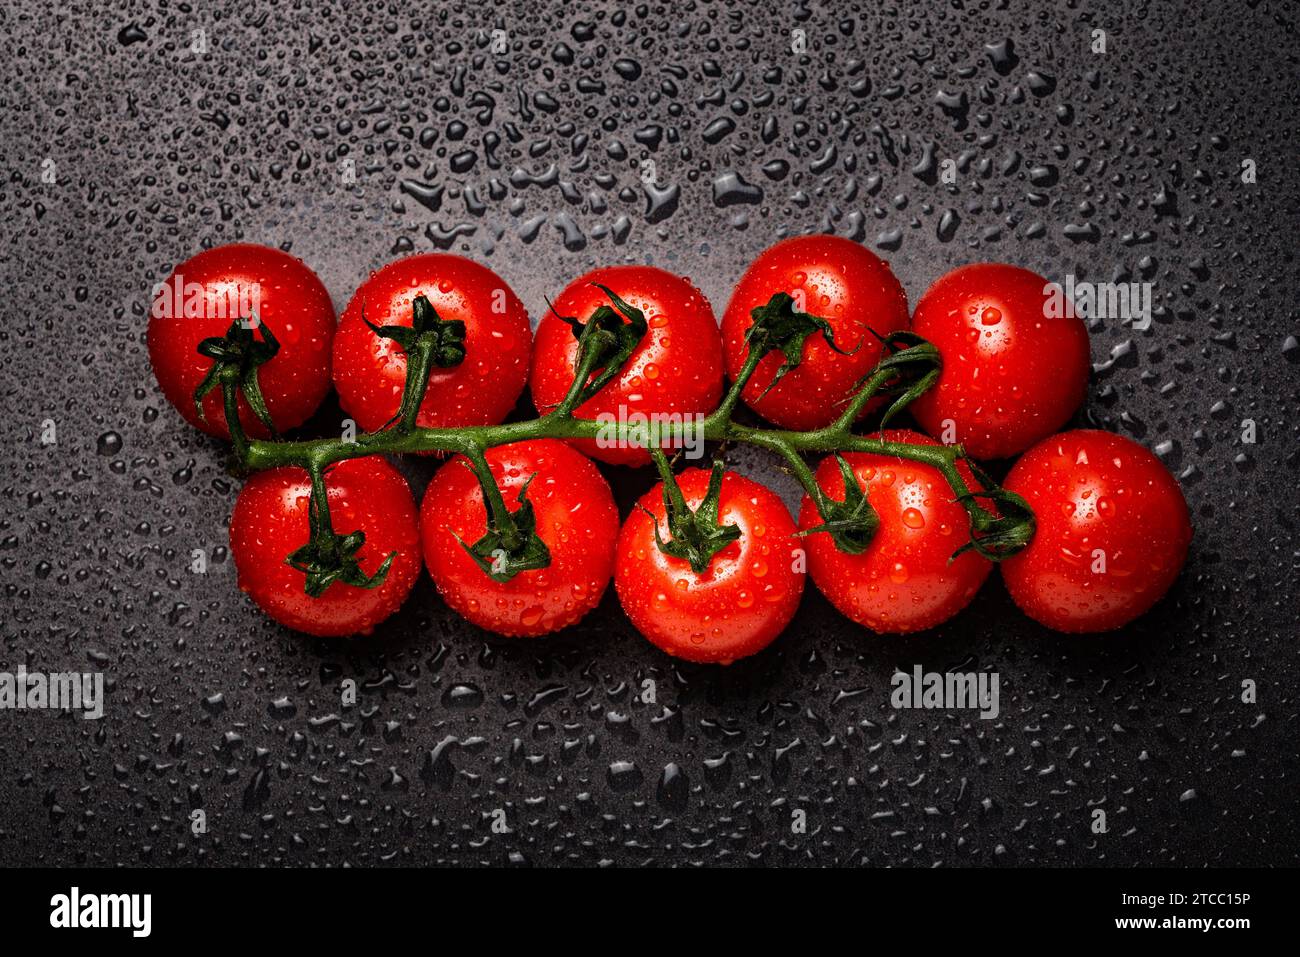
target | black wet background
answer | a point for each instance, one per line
(352, 134)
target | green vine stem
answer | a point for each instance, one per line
(910, 366)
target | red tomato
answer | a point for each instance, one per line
(1112, 531)
(907, 579)
(745, 597)
(575, 518)
(837, 280)
(200, 300)
(676, 370)
(271, 521)
(370, 371)
(1013, 372)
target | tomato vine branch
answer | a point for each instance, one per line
(607, 339)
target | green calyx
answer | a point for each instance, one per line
(912, 366)
(605, 342)
(236, 357)
(852, 523)
(997, 534)
(329, 557)
(696, 535)
(511, 544)
(429, 342)
(778, 327)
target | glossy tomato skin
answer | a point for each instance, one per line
(742, 601)
(576, 518)
(1011, 375)
(843, 283)
(1112, 532)
(677, 368)
(906, 580)
(271, 521)
(285, 294)
(370, 372)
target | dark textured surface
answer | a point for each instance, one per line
(1119, 165)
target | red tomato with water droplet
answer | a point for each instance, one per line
(906, 580)
(1014, 368)
(370, 371)
(840, 281)
(1112, 531)
(741, 602)
(270, 522)
(575, 517)
(676, 369)
(209, 291)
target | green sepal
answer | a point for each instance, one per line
(502, 553)
(429, 341)
(443, 338)
(696, 535)
(998, 538)
(777, 327)
(608, 338)
(329, 557)
(851, 523)
(236, 357)
(917, 363)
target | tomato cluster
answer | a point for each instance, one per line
(523, 537)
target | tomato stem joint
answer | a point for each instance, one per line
(328, 556)
(852, 523)
(605, 342)
(429, 341)
(779, 327)
(696, 535)
(1000, 534)
(910, 369)
(236, 357)
(511, 544)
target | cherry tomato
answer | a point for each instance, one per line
(370, 371)
(1112, 531)
(270, 522)
(1013, 371)
(907, 579)
(676, 370)
(208, 292)
(837, 280)
(745, 597)
(575, 517)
